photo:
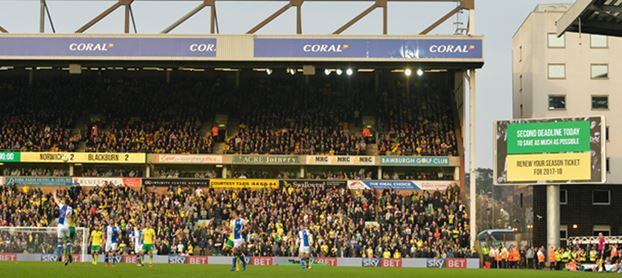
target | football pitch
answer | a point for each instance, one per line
(80, 270)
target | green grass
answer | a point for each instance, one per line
(87, 270)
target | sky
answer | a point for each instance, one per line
(497, 20)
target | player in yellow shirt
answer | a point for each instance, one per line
(96, 243)
(148, 237)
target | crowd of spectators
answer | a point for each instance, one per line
(267, 117)
(420, 174)
(283, 120)
(34, 172)
(193, 220)
(108, 172)
(419, 123)
(35, 119)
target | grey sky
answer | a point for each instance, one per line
(497, 20)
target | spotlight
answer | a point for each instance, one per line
(339, 71)
(419, 72)
(268, 71)
(349, 71)
(327, 71)
(408, 72)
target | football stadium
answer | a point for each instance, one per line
(170, 155)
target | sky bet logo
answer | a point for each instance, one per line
(90, 47)
(448, 48)
(325, 48)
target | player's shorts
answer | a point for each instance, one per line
(72, 233)
(147, 247)
(111, 246)
(63, 232)
(237, 243)
(96, 248)
(138, 248)
(304, 250)
(229, 243)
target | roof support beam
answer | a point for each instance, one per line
(205, 3)
(2, 30)
(605, 8)
(292, 3)
(107, 12)
(43, 12)
(466, 4)
(377, 4)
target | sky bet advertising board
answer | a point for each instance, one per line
(550, 151)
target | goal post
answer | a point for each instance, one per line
(39, 240)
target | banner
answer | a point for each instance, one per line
(329, 261)
(340, 160)
(370, 262)
(244, 183)
(435, 263)
(106, 46)
(456, 263)
(390, 262)
(38, 181)
(261, 260)
(88, 182)
(185, 159)
(10, 156)
(175, 182)
(74, 157)
(177, 259)
(399, 185)
(10, 257)
(198, 260)
(424, 48)
(417, 161)
(548, 137)
(266, 159)
(313, 183)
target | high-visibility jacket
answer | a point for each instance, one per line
(592, 255)
(558, 256)
(573, 256)
(565, 257)
(583, 257)
(504, 254)
(551, 256)
(514, 256)
(540, 257)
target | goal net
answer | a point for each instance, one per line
(40, 240)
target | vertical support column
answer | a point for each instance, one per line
(379, 172)
(472, 180)
(212, 27)
(302, 172)
(552, 215)
(148, 171)
(224, 171)
(456, 173)
(385, 19)
(71, 170)
(41, 16)
(126, 26)
(299, 18)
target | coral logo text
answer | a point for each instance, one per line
(325, 48)
(448, 48)
(90, 47)
(203, 47)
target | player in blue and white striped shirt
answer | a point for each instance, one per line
(304, 242)
(64, 217)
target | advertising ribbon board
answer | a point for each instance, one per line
(416, 161)
(38, 181)
(82, 157)
(106, 46)
(399, 185)
(185, 159)
(175, 182)
(244, 183)
(266, 159)
(10, 156)
(314, 183)
(88, 182)
(345, 160)
(423, 48)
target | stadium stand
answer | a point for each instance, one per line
(345, 223)
(137, 115)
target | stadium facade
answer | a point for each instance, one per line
(570, 75)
